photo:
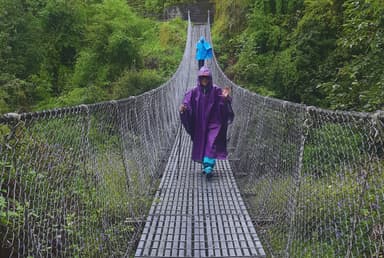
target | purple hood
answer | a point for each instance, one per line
(206, 119)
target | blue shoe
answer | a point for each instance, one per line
(208, 164)
(208, 169)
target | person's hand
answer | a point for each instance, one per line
(226, 92)
(182, 108)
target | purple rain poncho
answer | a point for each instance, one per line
(206, 119)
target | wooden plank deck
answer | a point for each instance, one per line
(193, 216)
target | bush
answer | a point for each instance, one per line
(135, 82)
(331, 147)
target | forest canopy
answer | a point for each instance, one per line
(66, 52)
(327, 53)
(54, 53)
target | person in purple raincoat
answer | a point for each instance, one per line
(205, 114)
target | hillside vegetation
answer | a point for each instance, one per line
(328, 53)
(58, 53)
(54, 53)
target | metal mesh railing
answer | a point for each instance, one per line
(312, 179)
(78, 182)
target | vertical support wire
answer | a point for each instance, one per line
(376, 131)
(297, 179)
(119, 121)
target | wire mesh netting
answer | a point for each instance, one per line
(78, 182)
(312, 179)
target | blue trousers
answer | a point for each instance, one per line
(208, 164)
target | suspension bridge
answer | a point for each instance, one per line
(115, 179)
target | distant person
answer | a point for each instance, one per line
(206, 113)
(203, 51)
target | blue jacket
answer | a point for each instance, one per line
(203, 50)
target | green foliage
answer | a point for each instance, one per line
(330, 147)
(229, 16)
(58, 53)
(113, 34)
(359, 81)
(258, 57)
(327, 53)
(271, 192)
(20, 37)
(10, 208)
(20, 50)
(87, 198)
(159, 51)
(62, 23)
(315, 39)
(333, 206)
(15, 93)
(331, 212)
(135, 82)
